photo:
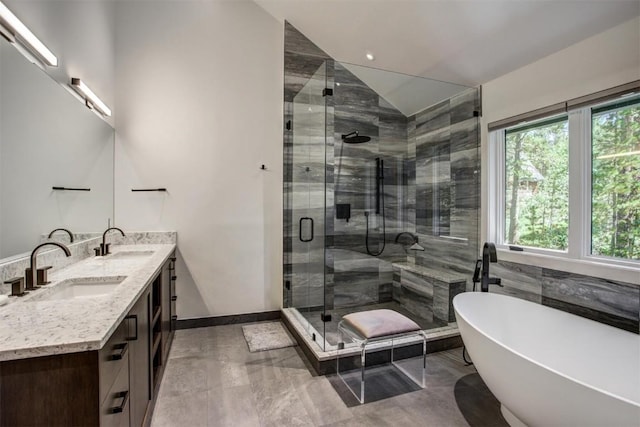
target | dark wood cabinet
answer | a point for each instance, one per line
(139, 342)
(166, 306)
(113, 386)
(163, 302)
(116, 409)
(59, 389)
(168, 302)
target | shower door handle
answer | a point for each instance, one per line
(305, 218)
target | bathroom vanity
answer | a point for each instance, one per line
(90, 348)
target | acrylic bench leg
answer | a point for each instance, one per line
(363, 363)
(424, 360)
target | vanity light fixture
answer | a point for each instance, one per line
(90, 98)
(14, 30)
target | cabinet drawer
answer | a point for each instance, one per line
(114, 411)
(112, 357)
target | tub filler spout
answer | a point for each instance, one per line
(489, 255)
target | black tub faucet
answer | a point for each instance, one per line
(489, 255)
(104, 247)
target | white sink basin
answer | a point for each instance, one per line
(130, 255)
(79, 288)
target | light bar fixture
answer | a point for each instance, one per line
(90, 98)
(12, 28)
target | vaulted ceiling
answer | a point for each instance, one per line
(463, 42)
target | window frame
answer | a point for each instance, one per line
(577, 258)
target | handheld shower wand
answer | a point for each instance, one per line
(379, 177)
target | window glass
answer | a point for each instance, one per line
(537, 185)
(615, 180)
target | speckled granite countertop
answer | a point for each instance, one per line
(32, 326)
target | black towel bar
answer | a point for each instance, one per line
(71, 189)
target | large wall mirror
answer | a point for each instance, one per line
(48, 138)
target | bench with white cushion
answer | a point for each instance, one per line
(366, 327)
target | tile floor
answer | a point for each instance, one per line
(213, 380)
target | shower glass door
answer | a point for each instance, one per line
(308, 204)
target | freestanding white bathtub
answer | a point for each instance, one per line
(548, 367)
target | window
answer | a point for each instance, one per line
(615, 180)
(568, 184)
(537, 185)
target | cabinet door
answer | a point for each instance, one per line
(166, 306)
(139, 359)
(115, 410)
(172, 291)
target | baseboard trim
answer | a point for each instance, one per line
(233, 319)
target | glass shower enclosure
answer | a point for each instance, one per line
(308, 199)
(355, 207)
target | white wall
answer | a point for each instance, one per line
(606, 60)
(199, 101)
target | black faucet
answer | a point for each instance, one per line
(104, 247)
(65, 230)
(489, 255)
(32, 273)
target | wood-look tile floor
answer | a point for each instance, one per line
(212, 379)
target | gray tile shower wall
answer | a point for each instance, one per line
(605, 301)
(359, 108)
(446, 204)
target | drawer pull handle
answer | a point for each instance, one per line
(122, 351)
(174, 317)
(124, 395)
(134, 317)
(174, 277)
(174, 298)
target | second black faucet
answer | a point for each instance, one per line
(104, 246)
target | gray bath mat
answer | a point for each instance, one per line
(267, 336)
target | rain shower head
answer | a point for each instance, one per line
(354, 138)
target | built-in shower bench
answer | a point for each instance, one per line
(415, 287)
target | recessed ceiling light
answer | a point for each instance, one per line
(370, 56)
(337, 83)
